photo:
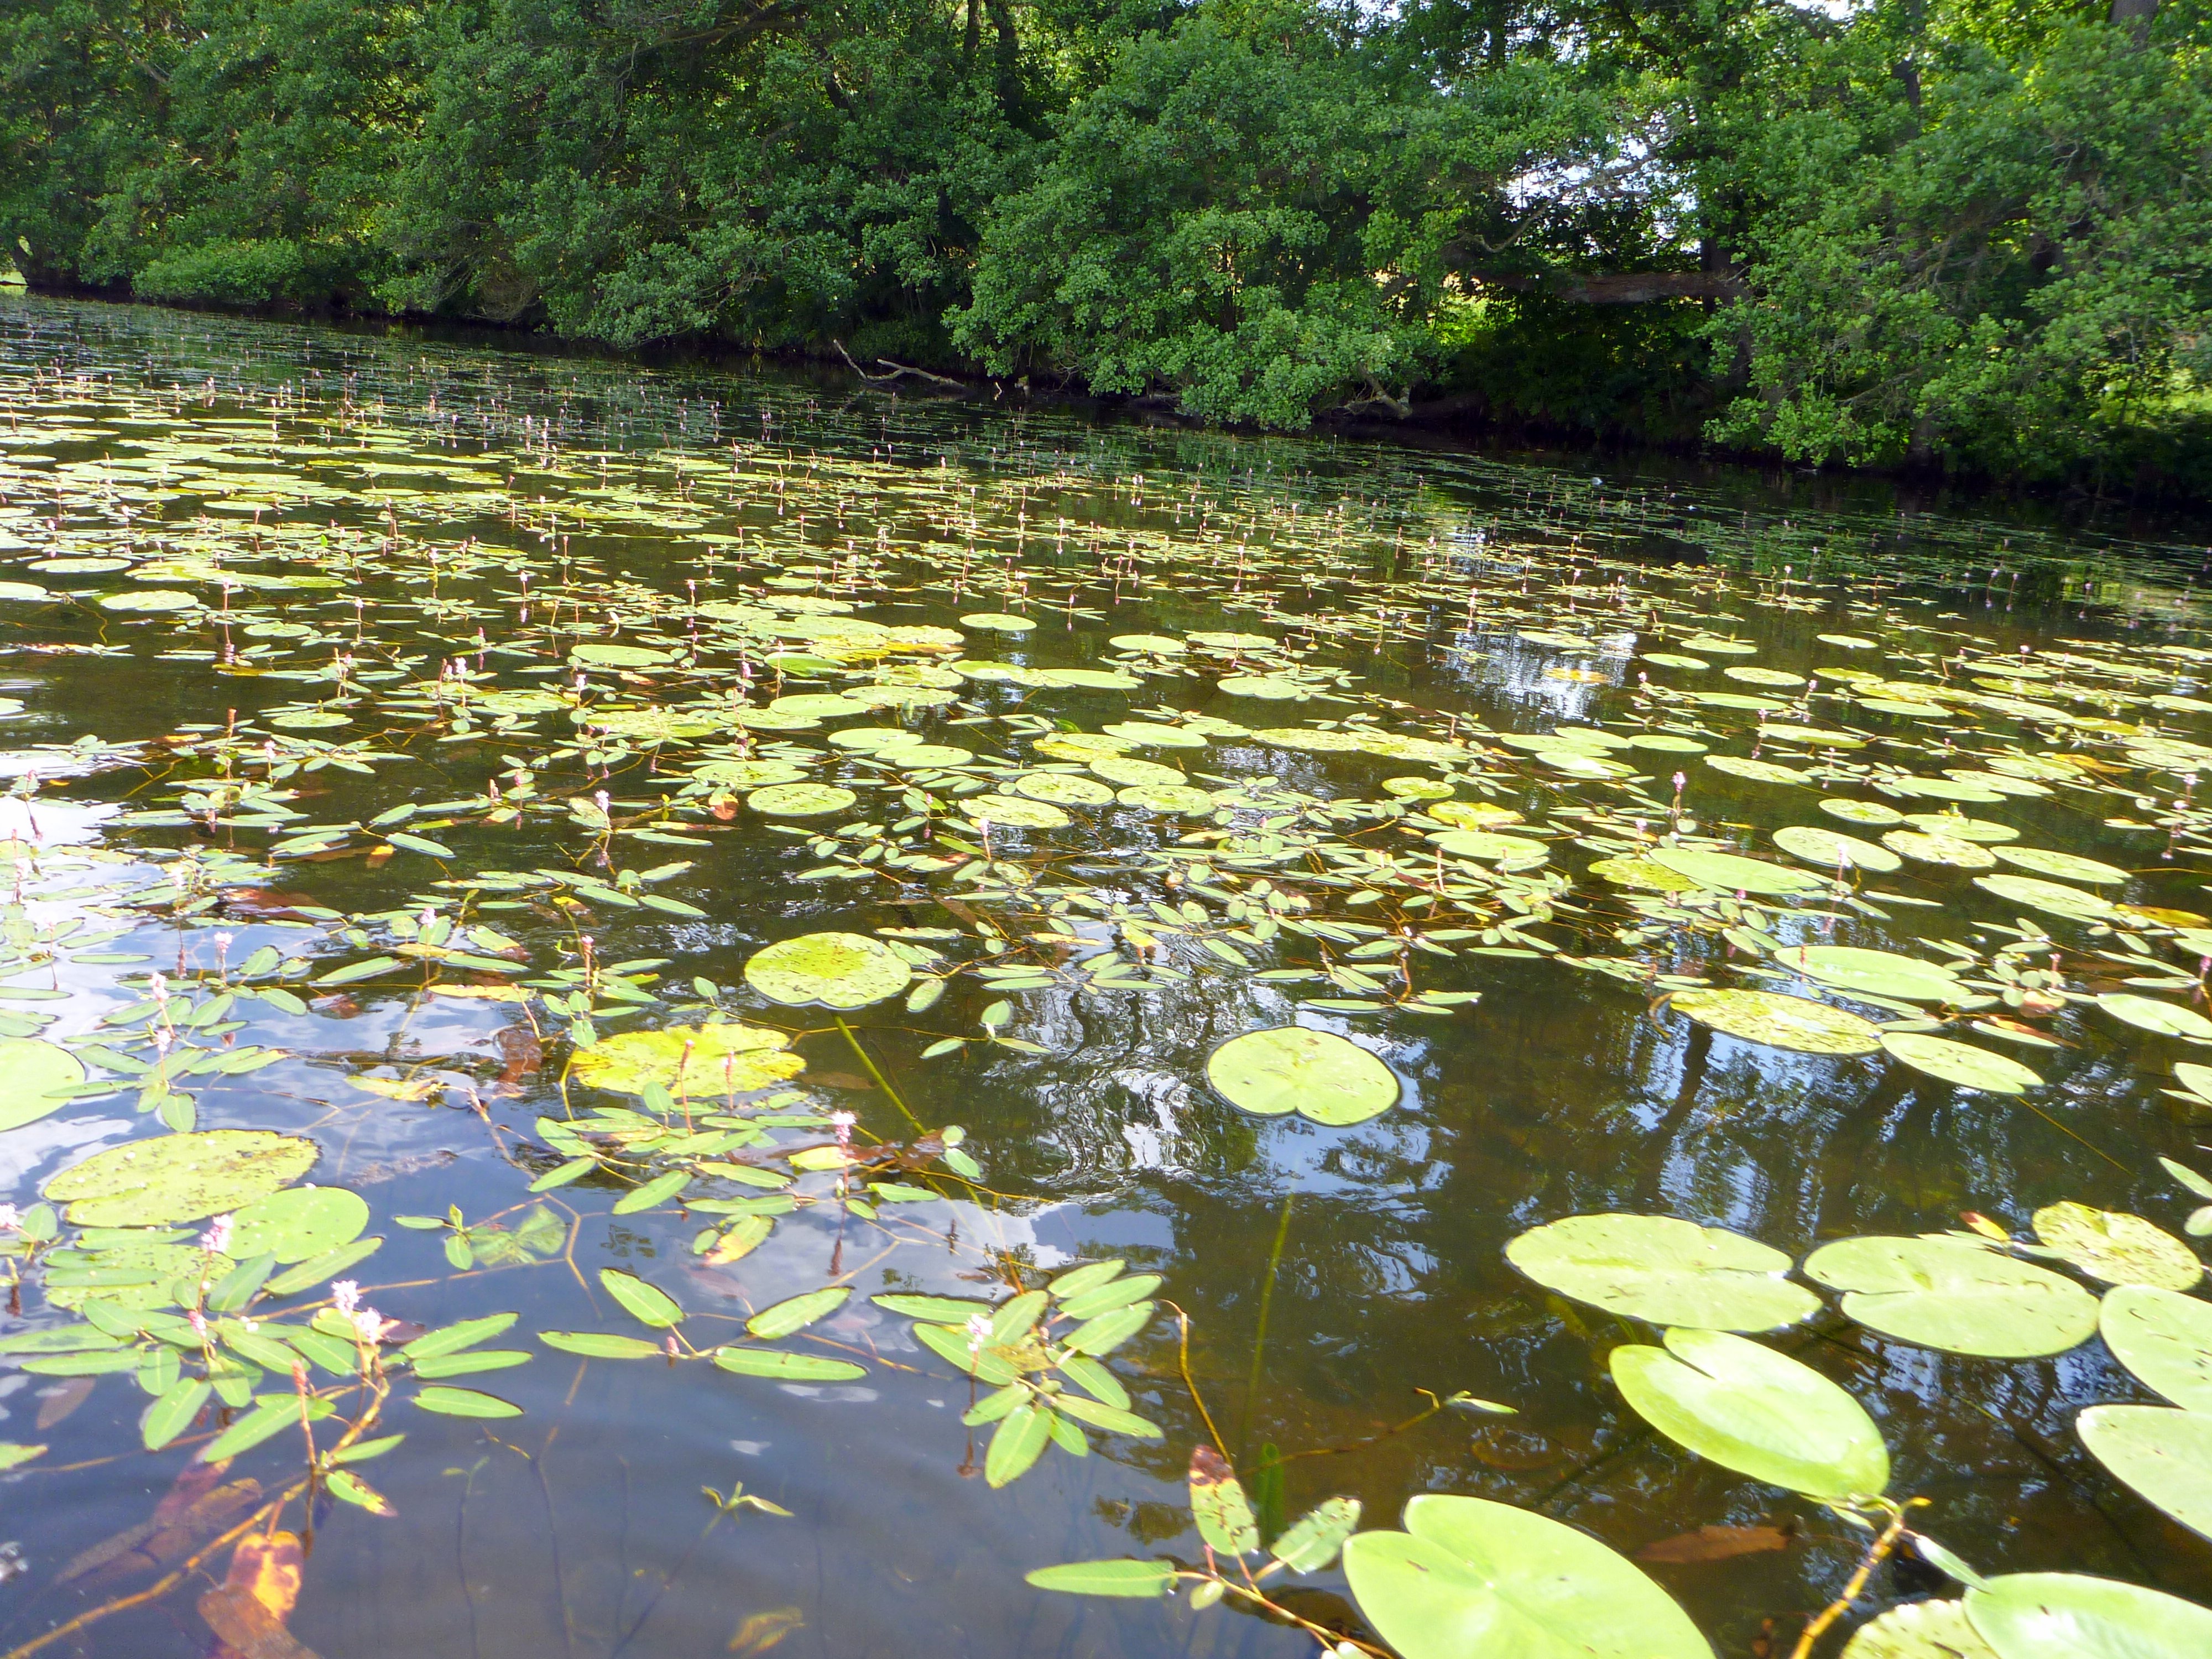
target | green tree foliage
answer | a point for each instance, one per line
(1965, 234)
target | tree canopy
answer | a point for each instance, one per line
(1971, 234)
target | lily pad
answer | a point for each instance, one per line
(1831, 849)
(1064, 789)
(2066, 1615)
(1881, 973)
(181, 1177)
(1949, 850)
(2162, 1452)
(141, 1275)
(1014, 812)
(1508, 852)
(618, 656)
(1919, 1629)
(1962, 1063)
(838, 970)
(2165, 1018)
(801, 800)
(298, 1223)
(2055, 897)
(1757, 1411)
(1319, 1075)
(998, 621)
(1729, 873)
(1797, 1023)
(1862, 811)
(2063, 866)
(1759, 771)
(2165, 1339)
(2118, 1247)
(1468, 1577)
(1182, 801)
(30, 1072)
(1956, 1295)
(154, 599)
(1665, 1271)
(689, 1060)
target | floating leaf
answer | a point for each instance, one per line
(2064, 1615)
(787, 1367)
(1318, 1074)
(1755, 1411)
(838, 970)
(2165, 1454)
(1664, 1271)
(1019, 1440)
(797, 1313)
(1955, 1295)
(689, 1060)
(1919, 1629)
(465, 1402)
(800, 800)
(2165, 1339)
(646, 1302)
(1138, 1580)
(2054, 897)
(2149, 1014)
(30, 1072)
(1961, 1063)
(1218, 1503)
(1831, 850)
(179, 1177)
(2118, 1247)
(1882, 973)
(1470, 1577)
(1780, 1022)
(598, 1345)
(1729, 873)
(1312, 1542)
(2065, 867)
(299, 1225)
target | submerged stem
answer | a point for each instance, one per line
(882, 1082)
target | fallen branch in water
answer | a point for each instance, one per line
(895, 368)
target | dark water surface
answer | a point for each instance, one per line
(495, 511)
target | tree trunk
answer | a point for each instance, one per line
(2137, 14)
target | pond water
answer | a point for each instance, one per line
(400, 733)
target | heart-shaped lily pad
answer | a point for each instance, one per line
(1468, 1577)
(30, 1072)
(1831, 849)
(2161, 1451)
(1318, 1074)
(1882, 973)
(2118, 1247)
(2066, 1615)
(1919, 1629)
(800, 800)
(1795, 1023)
(2063, 866)
(1755, 1411)
(2172, 1019)
(1664, 1270)
(1956, 1295)
(838, 970)
(690, 1061)
(181, 1177)
(2165, 1339)
(298, 1223)
(1729, 873)
(1962, 1063)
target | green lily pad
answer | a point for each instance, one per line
(1862, 811)
(1468, 1577)
(2066, 1615)
(1948, 850)
(1956, 1295)
(689, 1060)
(153, 599)
(618, 656)
(748, 774)
(2162, 1452)
(2053, 896)
(1755, 1411)
(2165, 1339)
(2171, 1019)
(1127, 772)
(1881, 973)
(298, 1223)
(1508, 852)
(1319, 1075)
(1629, 872)
(1064, 789)
(1960, 827)
(1759, 771)
(1728, 872)
(1919, 1629)
(179, 1177)
(1664, 1271)
(1675, 659)
(1962, 1063)
(1183, 801)
(30, 1072)
(800, 800)
(998, 621)
(2117, 1248)
(1797, 1023)
(1015, 813)
(2063, 866)
(1831, 849)
(838, 970)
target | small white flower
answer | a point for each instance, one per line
(216, 1238)
(368, 1325)
(979, 1332)
(11, 1218)
(345, 1296)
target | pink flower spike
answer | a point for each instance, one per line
(345, 1296)
(199, 1324)
(216, 1239)
(11, 1218)
(368, 1325)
